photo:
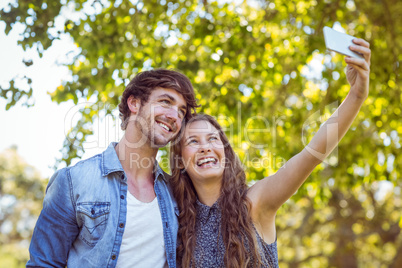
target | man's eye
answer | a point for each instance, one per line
(165, 101)
(182, 113)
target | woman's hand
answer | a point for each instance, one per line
(358, 70)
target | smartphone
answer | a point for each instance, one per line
(339, 42)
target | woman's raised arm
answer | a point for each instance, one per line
(270, 193)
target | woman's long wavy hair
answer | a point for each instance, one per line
(236, 226)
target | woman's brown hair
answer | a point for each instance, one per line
(237, 229)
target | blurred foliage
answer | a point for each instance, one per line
(21, 194)
(261, 68)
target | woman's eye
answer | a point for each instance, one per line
(213, 138)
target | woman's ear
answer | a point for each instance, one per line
(133, 104)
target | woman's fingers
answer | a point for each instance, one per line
(362, 42)
(358, 62)
(362, 47)
(365, 51)
(358, 69)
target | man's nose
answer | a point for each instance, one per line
(173, 114)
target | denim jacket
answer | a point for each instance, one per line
(84, 215)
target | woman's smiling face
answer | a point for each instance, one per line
(203, 152)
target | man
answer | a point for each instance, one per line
(115, 209)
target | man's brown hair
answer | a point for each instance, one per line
(145, 82)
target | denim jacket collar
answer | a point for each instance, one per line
(111, 163)
(159, 173)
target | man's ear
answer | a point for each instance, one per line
(133, 104)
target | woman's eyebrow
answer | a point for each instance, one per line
(208, 134)
(192, 136)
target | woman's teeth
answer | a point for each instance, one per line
(205, 160)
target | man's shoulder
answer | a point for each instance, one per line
(79, 166)
(86, 163)
(87, 168)
(73, 175)
(105, 160)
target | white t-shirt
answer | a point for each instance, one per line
(143, 245)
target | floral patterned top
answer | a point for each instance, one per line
(209, 250)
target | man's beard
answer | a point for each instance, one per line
(148, 130)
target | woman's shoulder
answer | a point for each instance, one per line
(269, 251)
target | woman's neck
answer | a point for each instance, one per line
(208, 193)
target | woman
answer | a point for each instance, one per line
(222, 222)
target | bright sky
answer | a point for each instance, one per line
(39, 131)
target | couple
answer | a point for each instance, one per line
(119, 209)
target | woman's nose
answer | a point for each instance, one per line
(205, 147)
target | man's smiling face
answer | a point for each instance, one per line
(160, 119)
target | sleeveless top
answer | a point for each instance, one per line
(210, 249)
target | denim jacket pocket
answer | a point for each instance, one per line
(92, 219)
